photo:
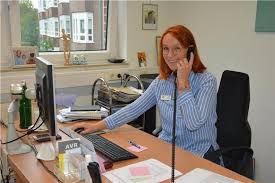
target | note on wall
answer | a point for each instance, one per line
(265, 16)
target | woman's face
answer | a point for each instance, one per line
(172, 51)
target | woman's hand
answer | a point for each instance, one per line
(90, 127)
(183, 71)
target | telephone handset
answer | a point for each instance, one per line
(190, 50)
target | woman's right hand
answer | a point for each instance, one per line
(90, 127)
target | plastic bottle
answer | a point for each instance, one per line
(25, 109)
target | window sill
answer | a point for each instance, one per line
(59, 66)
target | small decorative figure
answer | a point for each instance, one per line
(18, 59)
(66, 44)
(31, 59)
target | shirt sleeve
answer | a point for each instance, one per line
(196, 108)
(133, 110)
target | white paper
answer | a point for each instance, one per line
(66, 115)
(158, 172)
(46, 152)
(199, 175)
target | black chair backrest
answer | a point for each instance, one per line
(232, 110)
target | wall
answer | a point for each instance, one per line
(226, 39)
(225, 35)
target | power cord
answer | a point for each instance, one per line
(44, 166)
(31, 127)
(28, 132)
(2, 172)
(2, 123)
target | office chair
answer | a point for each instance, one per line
(233, 130)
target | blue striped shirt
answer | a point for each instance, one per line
(196, 112)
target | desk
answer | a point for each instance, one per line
(28, 169)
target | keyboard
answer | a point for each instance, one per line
(109, 149)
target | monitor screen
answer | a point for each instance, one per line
(45, 94)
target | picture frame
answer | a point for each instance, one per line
(141, 56)
(24, 56)
(158, 38)
(149, 16)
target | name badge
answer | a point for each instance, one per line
(165, 97)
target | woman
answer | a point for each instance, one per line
(196, 101)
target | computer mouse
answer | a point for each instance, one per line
(78, 130)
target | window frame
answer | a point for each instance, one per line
(93, 57)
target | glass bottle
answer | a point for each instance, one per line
(25, 109)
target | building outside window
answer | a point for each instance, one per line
(78, 20)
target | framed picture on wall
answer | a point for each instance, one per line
(141, 59)
(158, 49)
(24, 56)
(149, 16)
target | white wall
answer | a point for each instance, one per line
(226, 39)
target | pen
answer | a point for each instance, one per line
(134, 144)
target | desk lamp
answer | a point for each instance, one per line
(15, 147)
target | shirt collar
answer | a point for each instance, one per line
(171, 76)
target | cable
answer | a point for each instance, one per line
(28, 132)
(32, 125)
(2, 171)
(174, 129)
(44, 166)
(49, 171)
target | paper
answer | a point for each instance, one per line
(46, 152)
(150, 170)
(66, 115)
(135, 149)
(199, 175)
(139, 171)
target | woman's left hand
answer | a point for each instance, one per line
(183, 71)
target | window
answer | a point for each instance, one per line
(42, 27)
(83, 27)
(105, 36)
(53, 30)
(85, 21)
(52, 3)
(65, 23)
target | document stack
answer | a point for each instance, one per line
(120, 95)
(75, 113)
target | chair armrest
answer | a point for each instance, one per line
(244, 166)
(157, 131)
(236, 149)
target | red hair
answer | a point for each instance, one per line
(186, 39)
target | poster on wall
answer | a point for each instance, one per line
(149, 16)
(24, 56)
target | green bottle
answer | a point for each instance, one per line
(25, 109)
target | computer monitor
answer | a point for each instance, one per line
(45, 94)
